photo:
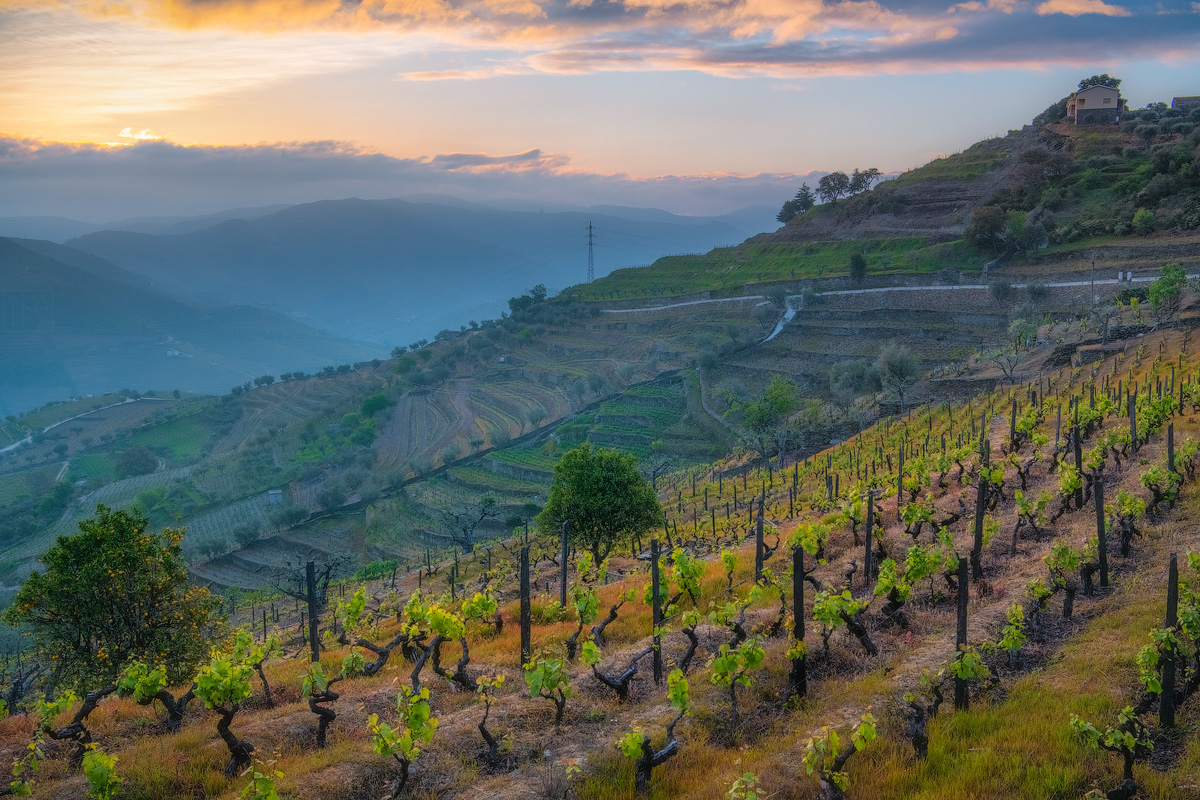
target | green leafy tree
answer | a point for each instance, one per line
(832, 186)
(602, 497)
(111, 594)
(899, 370)
(1166, 291)
(1100, 80)
(987, 227)
(802, 202)
(133, 461)
(765, 415)
(861, 180)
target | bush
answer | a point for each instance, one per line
(136, 461)
(858, 268)
(1144, 221)
(1001, 291)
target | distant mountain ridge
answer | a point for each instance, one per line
(67, 331)
(394, 270)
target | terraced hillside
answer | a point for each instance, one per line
(1041, 640)
(313, 439)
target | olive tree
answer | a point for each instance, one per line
(602, 496)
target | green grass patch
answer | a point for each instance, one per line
(54, 412)
(93, 467)
(977, 160)
(184, 437)
(732, 271)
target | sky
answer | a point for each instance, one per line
(123, 108)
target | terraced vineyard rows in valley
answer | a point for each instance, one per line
(254, 564)
(220, 524)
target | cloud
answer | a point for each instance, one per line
(98, 183)
(1003, 6)
(74, 71)
(142, 135)
(1076, 8)
(530, 160)
(72, 67)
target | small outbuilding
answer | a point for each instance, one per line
(1095, 105)
(1185, 102)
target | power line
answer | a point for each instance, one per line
(591, 263)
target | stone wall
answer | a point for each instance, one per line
(1097, 116)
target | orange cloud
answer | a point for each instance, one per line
(1075, 8)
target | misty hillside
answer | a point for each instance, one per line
(394, 271)
(65, 331)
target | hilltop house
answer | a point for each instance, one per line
(1095, 105)
(1185, 102)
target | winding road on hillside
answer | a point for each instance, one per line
(790, 314)
(29, 438)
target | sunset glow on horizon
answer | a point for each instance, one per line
(623, 93)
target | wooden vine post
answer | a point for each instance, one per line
(1133, 422)
(798, 681)
(1166, 699)
(1078, 459)
(758, 540)
(977, 547)
(310, 579)
(870, 529)
(562, 579)
(962, 697)
(1171, 446)
(656, 621)
(525, 646)
(1101, 537)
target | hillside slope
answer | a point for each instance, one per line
(67, 332)
(428, 266)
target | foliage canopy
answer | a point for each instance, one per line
(602, 496)
(112, 594)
